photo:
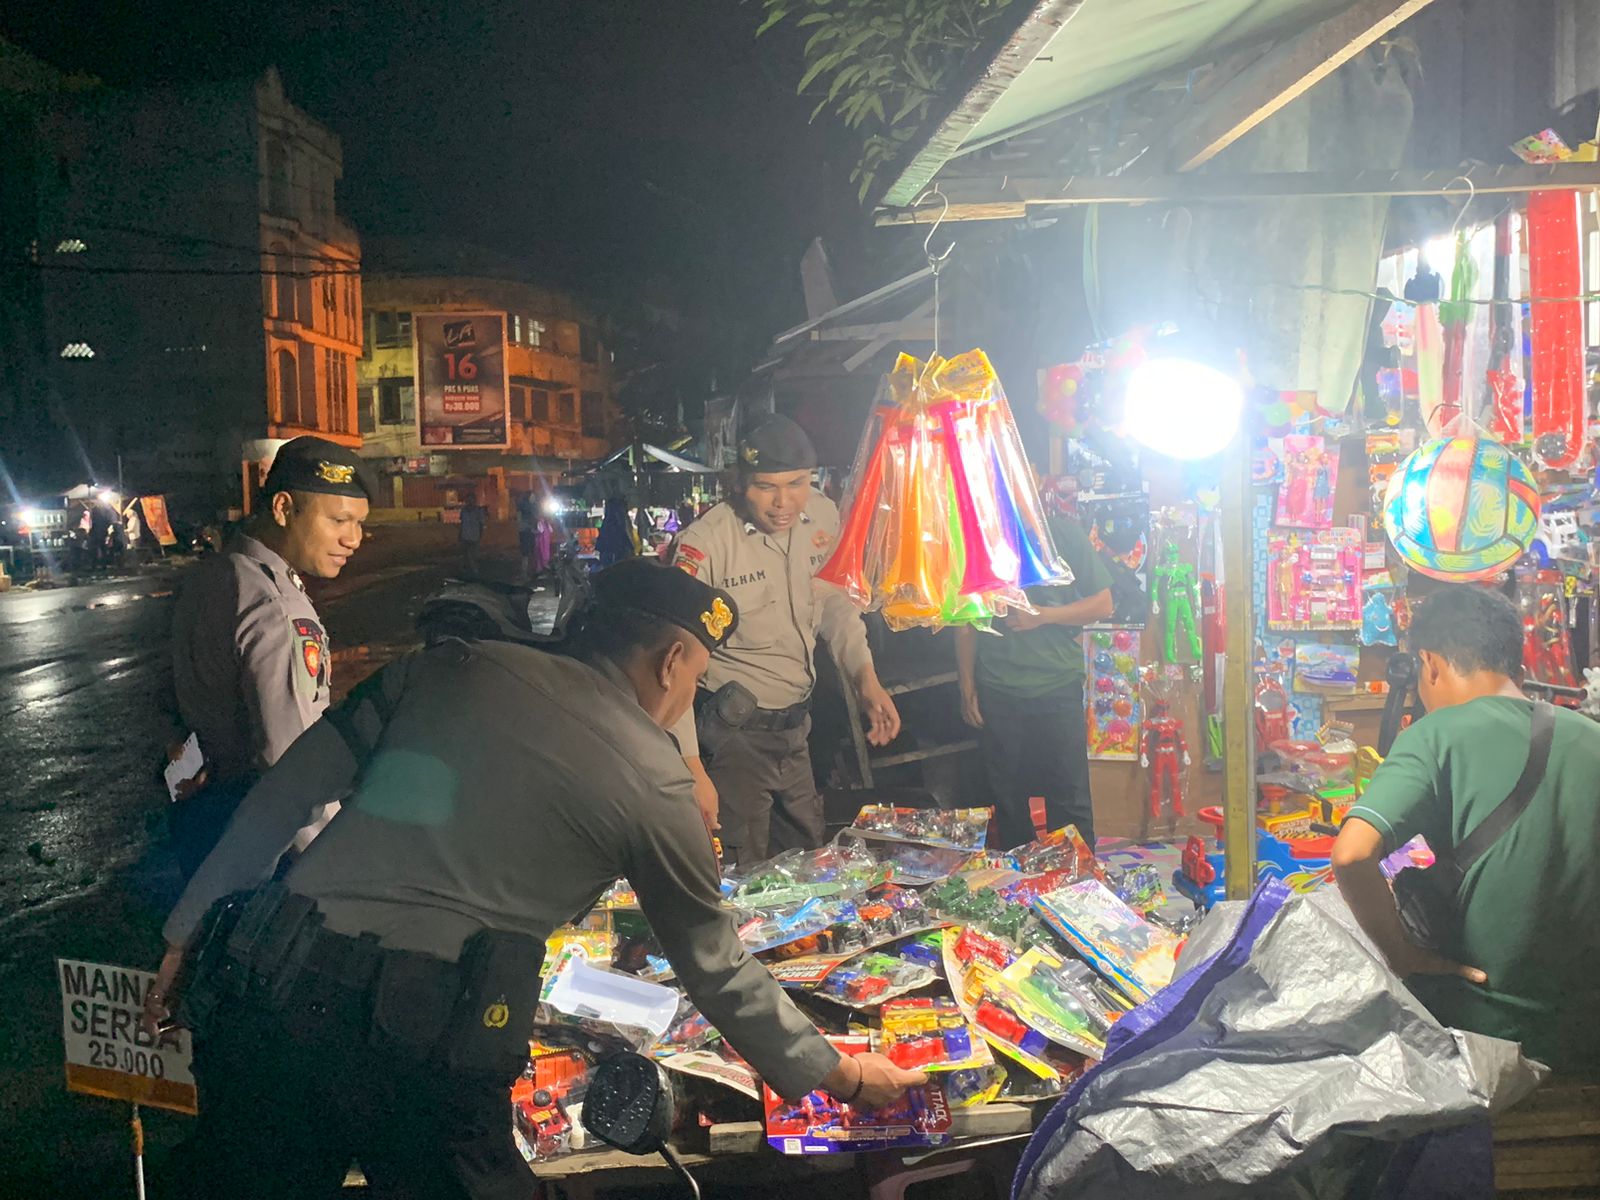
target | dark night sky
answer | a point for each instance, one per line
(629, 144)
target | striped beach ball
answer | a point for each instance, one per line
(1461, 508)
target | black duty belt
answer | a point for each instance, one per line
(765, 720)
(778, 720)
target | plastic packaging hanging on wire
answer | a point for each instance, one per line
(957, 530)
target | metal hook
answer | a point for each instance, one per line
(935, 261)
(1472, 193)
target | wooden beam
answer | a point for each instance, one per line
(986, 200)
(1281, 76)
(907, 329)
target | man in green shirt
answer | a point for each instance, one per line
(1530, 906)
(1024, 691)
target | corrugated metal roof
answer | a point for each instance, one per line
(1068, 53)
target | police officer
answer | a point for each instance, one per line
(389, 981)
(763, 545)
(249, 653)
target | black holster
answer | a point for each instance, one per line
(493, 1020)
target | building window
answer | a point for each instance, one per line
(519, 403)
(588, 344)
(397, 403)
(288, 389)
(365, 417)
(567, 409)
(539, 405)
(594, 415)
(278, 190)
(535, 333)
(285, 288)
(516, 328)
(337, 370)
(391, 328)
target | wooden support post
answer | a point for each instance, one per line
(1238, 724)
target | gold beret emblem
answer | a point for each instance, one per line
(717, 618)
(334, 472)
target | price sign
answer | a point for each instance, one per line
(108, 1054)
(461, 380)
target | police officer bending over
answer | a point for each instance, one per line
(377, 1004)
(249, 654)
(764, 545)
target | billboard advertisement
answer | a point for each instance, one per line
(462, 392)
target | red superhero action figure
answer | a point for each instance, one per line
(1160, 747)
(1272, 711)
(1545, 652)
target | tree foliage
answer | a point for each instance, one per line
(880, 66)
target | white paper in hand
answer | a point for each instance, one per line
(185, 767)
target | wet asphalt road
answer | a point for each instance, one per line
(85, 713)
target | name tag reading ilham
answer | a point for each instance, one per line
(108, 1053)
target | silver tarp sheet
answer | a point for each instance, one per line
(1273, 1078)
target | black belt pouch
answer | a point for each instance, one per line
(415, 999)
(493, 1019)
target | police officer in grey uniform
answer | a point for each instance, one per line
(385, 988)
(764, 544)
(250, 660)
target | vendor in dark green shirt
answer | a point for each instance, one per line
(1024, 691)
(1527, 963)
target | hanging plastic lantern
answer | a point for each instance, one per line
(1555, 279)
(1461, 509)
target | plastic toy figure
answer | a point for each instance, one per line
(1377, 619)
(1161, 746)
(1544, 642)
(1272, 711)
(1177, 592)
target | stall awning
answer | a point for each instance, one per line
(666, 457)
(1067, 54)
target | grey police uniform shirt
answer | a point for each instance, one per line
(250, 659)
(511, 787)
(782, 608)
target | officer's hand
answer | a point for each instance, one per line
(883, 719)
(705, 793)
(158, 1000)
(879, 1080)
(971, 713)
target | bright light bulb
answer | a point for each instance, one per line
(552, 507)
(1440, 255)
(1182, 409)
(29, 516)
(107, 495)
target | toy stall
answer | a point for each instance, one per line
(1264, 543)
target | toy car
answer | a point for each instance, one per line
(541, 1120)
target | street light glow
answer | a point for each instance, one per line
(1181, 408)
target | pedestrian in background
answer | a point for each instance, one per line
(134, 528)
(474, 520)
(616, 539)
(250, 660)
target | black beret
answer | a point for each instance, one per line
(776, 444)
(647, 586)
(313, 464)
